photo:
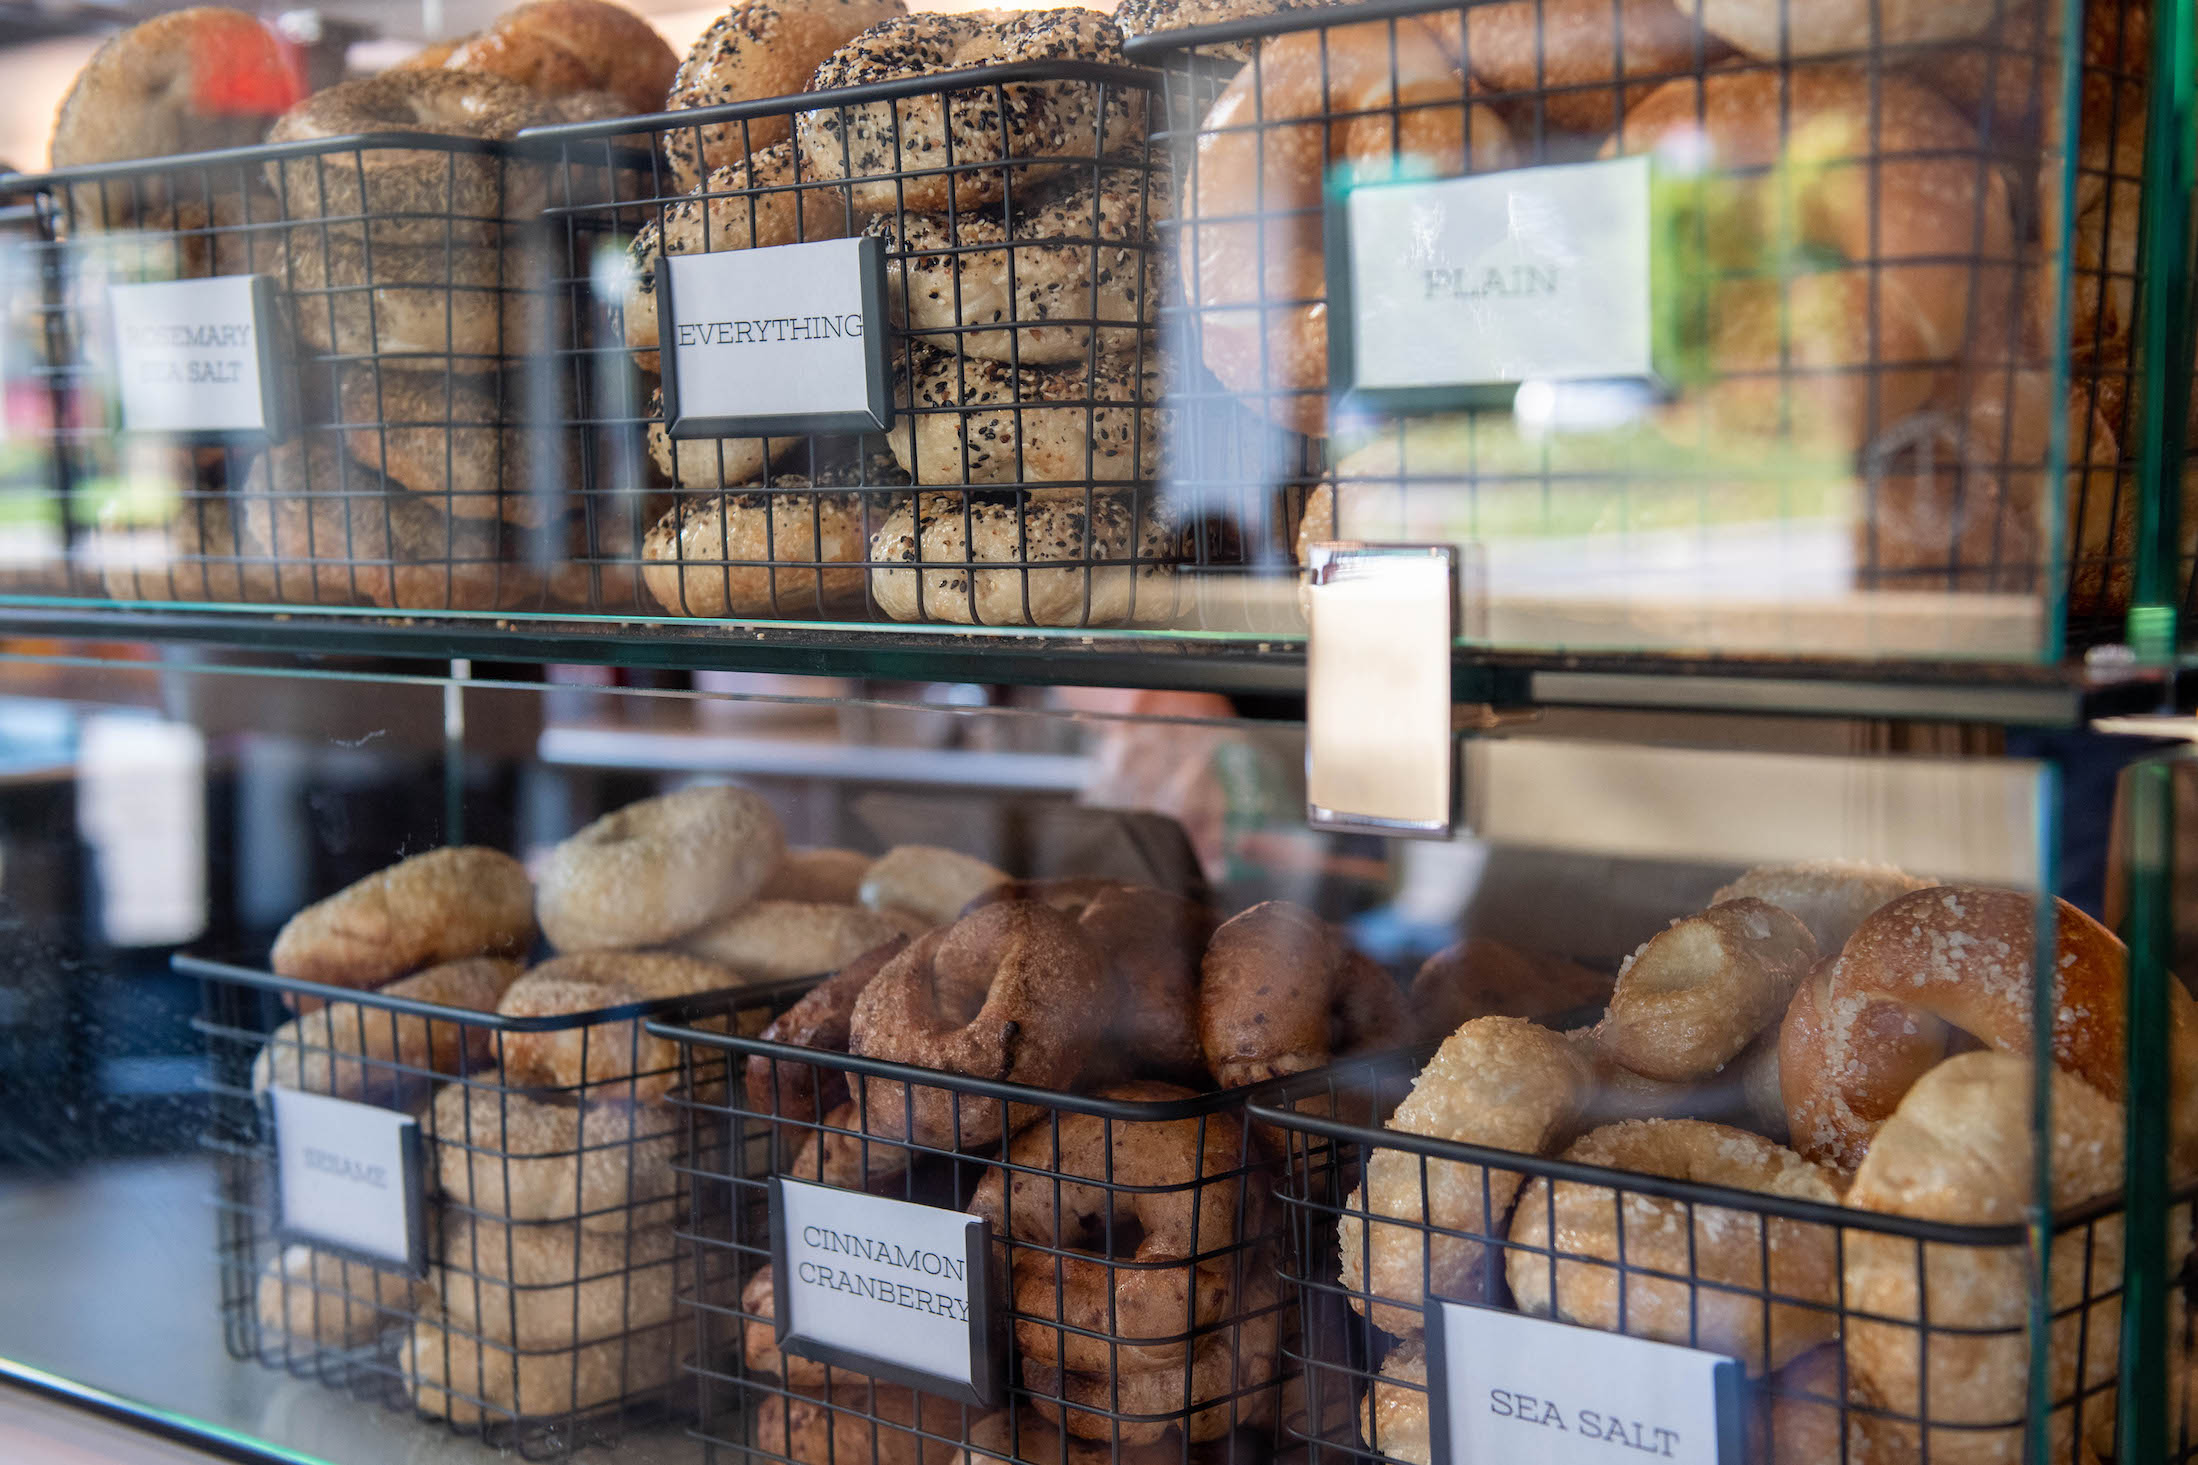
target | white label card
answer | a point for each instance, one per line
(347, 1176)
(192, 356)
(885, 1287)
(1533, 274)
(1527, 1391)
(785, 340)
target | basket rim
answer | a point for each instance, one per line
(258, 152)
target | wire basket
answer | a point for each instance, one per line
(1812, 466)
(560, 1226)
(1795, 1289)
(1138, 1309)
(1015, 210)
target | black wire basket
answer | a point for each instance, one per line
(559, 1227)
(1786, 1285)
(1015, 209)
(1121, 1334)
(1813, 466)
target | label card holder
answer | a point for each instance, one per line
(776, 342)
(197, 358)
(1379, 754)
(889, 1288)
(348, 1178)
(1451, 293)
(1528, 1391)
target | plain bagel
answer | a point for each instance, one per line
(655, 870)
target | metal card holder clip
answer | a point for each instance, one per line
(1380, 757)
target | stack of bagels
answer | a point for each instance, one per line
(1025, 290)
(1879, 1025)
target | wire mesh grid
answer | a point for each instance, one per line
(1855, 438)
(1865, 1337)
(1133, 1244)
(561, 1231)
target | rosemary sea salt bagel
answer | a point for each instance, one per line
(449, 436)
(655, 870)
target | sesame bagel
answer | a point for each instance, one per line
(965, 420)
(951, 278)
(1112, 564)
(759, 48)
(411, 195)
(444, 905)
(655, 870)
(934, 152)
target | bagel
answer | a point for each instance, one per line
(185, 82)
(1140, 18)
(318, 1299)
(314, 528)
(1562, 59)
(1152, 942)
(1011, 994)
(657, 869)
(1959, 1149)
(757, 49)
(442, 906)
(1393, 1415)
(1079, 250)
(554, 1286)
(469, 1380)
(1765, 30)
(449, 436)
(1021, 1437)
(1368, 97)
(411, 196)
(1497, 1081)
(759, 1339)
(1478, 977)
(829, 876)
(1959, 958)
(753, 201)
(845, 1153)
(765, 553)
(822, 1019)
(931, 883)
(562, 47)
(585, 1060)
(462, 309)
(1830, 897)
(1885, 178)
(507, 1156)
(1057, 564)
(940, 151)
(1764, 1292)
(964, 420)
(1175, 1185)
(708, 463)
(776, 940)
(859, 1420)
(353, 1051)
(1281, 991)
(1697, 993)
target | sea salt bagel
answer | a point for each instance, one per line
(933, 151)
(411, 196)
(756, 49)
(926, 881)
(1393, 1415)
(1959, 1149)
(560, 48)
(1013, 993)
(509, 1156)
(453, 437)
(552, 1286)
(353, 1051)
(1830, 897)
(1697, 993)
(440, 906)
(1960, 958)
(656, 869)
(1174, 1184)
(451, 1374)
(1497, 1081)
(1694, 1274)
(1281, 991)
(184, 82)
(1056, 564)
(322, 1300)
(970, 421)
(775, 940)
(960, 281)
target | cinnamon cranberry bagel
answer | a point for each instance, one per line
(564, 47)
(1281, 991)
(757, 49)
